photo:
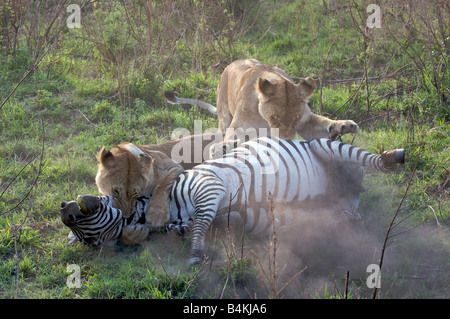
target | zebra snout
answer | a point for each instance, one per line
(395, 156)
(399, 155)
(70, 213)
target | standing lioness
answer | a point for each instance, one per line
(255, 95)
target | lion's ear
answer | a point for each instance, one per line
(307, 87)
(106, 158)
(265, 87)
(145, 160)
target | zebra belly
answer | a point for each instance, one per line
(274, 194)
(298, 178)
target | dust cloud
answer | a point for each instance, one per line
(314, 254)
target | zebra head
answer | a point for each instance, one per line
(92, 219)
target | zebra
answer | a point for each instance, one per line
(93, 220)
(260, 174)
(249, 180)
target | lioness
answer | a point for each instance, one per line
(255, 95)
(128, 171)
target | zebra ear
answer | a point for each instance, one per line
(106, 158)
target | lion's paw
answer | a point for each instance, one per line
(158, 215)
(342, 127)
(218, 150)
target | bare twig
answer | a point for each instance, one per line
(323, 70)
(393, 219)
(95, 125)
(273, 269)
(34, 184)
(35, 65)
(15, 229)
(193, 278)
(437, 83)
(290, 280)
(406, 230)
(14, 178)
(346, 285)
(272, 273)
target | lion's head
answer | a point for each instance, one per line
(282, 103)
(125, 172)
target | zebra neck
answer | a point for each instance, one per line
(138, 217)
(119, 228)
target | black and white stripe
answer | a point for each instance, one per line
(107, 222)
(245, 182)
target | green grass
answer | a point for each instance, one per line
(79, 100)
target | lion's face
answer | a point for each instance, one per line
(283, 103)
(125, 172)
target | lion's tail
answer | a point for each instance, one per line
(173, 99)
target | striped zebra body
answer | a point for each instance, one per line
(261, 172)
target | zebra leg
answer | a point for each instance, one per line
(206, 206)
(328, 150)
(345, 188)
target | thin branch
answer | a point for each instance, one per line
(323, 71)
(292, 278)
(393, 219)
(346, 285)
(95, 125)
(193, 278)
(437, 83)
(41, 164)
(34, 67)
(406, 230)
(17, 175)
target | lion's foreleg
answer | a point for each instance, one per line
(157, 214)
(318, 126)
